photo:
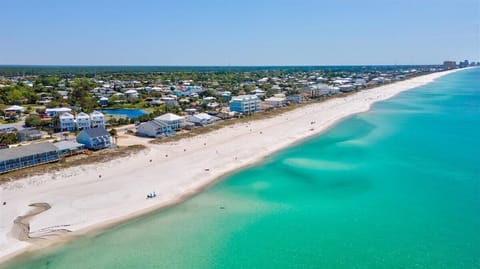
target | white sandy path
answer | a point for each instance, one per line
(80, 199)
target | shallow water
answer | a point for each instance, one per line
(396, 187)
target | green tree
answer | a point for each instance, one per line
(8, 138)
(33, 120)
(80, 96)
(55, 122)
(113, 133)
(14, 96)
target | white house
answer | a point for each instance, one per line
(258, 92)
(263, 80)
(16, 109)
(173, 121)
(245, 103)
(103, 101)
(226, 94)
(320, 89)
(132, 93)
(57, 111)
(208, 99)
(83, 121)
(97, 119)
(201, 119)
(169, 101)
(67, 122)
(13, 111)
(278, 100)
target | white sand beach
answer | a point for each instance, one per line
(82, 201)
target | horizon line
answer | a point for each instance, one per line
(135, 65)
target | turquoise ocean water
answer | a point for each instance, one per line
(395, 187)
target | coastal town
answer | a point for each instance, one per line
(47, 118)
(239, 134)
(81, 192)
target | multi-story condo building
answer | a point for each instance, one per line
(171, 120)
(245, 104)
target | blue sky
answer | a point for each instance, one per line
(262, 32)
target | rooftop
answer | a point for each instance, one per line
(82, 115)
(156, 124)
(202, 116)
(95, 132)
(63, 145)
(66, 115)
(15, 108)
(168, 117)
(58, 109)
(28, 150)
(244, 97)
(96, 113)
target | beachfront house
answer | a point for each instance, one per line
(68, 148)
(278, 100)
(83, 121)
(173, 121)
(67, 122)
(245, 104)
(97, 120)
(28, 155)
(201, 119)
(94, 138)
(319, 90)
(295, 98)
(154, 129)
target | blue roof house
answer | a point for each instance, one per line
(94, 138)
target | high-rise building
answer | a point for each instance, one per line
(449, 65)
(464, 64)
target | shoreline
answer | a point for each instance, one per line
(87, 204)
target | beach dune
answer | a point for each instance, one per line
(81, 200)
